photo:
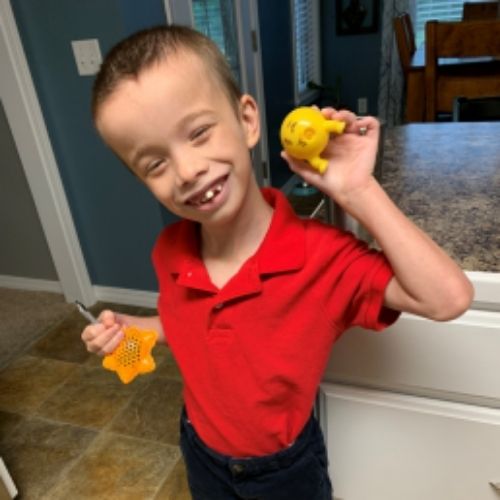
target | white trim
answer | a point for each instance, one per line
(37, 157)
(7, 480)
(247, 26)
(260, 96)
(486, 287)
(242, 33)
(412, 403)
(178, 12)
(168, 11)
(32, 284)
(115, 295)
(125, 296)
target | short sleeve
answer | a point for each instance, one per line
(356, 278)
(366, 308)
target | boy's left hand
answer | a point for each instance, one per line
(351, 157)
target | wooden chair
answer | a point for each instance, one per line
(405, 38)
(414, 75)
(475, 72)
(479, 109)
(474, 11)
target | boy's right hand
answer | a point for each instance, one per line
(102, 338)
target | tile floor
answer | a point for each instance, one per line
(70, 429)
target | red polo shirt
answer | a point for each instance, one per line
(253, 353)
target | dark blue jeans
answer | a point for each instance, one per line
(299, 472)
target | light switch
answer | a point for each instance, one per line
(88, 56)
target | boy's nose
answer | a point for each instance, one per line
(189, 169)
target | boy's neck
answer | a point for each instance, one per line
(235, 244)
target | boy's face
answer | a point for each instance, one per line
(177, 130)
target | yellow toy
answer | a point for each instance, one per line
(305, 133)
(132, 357)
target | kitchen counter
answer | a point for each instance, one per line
(427, 390)
(446, 178)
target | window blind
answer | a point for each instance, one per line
(215, 19)
(306, 44)
(442, 10)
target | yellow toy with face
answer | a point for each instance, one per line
(305, 133)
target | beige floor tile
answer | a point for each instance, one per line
(94, 360)
(169, 370)
(176, 486)
(91, 397)
(64, 342)
(24, 317)
(27, 382)
(8, 422)
(37, 452)
(165, 363)
(117, 467)
(153, 413)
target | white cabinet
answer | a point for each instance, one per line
(458, 360)
(385, 446)
(413, 413)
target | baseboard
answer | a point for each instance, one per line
(126, 296)
(103, 293)
(32, 284)
(8, 489)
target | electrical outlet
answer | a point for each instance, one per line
(362, 105)
(88, 56)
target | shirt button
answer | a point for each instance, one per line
(189, 274)
(219, 306)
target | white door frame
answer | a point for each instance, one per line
(26, 121)
(247, 19)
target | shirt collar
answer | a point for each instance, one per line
(282, 250)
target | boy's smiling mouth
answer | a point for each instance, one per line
(209, 194)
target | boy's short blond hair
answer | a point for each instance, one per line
(140, 51)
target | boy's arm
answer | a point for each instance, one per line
(426, 281)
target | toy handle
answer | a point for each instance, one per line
(335, 126)
(320, 164)
(332, 126)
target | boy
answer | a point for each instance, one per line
(252, 297)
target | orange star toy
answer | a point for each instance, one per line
(132, 357)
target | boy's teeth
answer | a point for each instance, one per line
(211, 193)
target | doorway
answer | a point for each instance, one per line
(26, 123)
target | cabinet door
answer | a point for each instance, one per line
(385, 446)
(456, 360)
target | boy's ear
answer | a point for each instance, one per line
(250, 119)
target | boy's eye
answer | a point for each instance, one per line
(200, 132)
(154, 166)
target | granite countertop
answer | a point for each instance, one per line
(446, 178)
